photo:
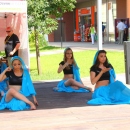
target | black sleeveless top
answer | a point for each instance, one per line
(97, 70)
(13, 79)
(67, 70)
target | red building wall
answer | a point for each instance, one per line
(69, 25)
(68, 19)
(121, 8)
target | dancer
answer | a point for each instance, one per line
(20, 87)
(108, 90)
(71, 81)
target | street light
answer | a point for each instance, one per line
(61, 34)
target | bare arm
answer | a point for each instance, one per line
(2, 75)
(16, 47)
(95, 78)
(61, 67)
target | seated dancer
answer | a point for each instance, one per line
(71, 81)
(4, 83)
(107, 89)
(20, 87)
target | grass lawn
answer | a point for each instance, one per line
(84, 60)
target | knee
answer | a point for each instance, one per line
(71, 80)
(11, 91)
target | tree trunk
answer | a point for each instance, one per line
(37, 52)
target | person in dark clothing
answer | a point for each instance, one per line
(12, 44)
(103, 32)
(125, 37)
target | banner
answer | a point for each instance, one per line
(13, 6)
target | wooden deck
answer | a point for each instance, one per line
(66, 111)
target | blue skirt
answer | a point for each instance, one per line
(3, 86)
(114, 93)
(62, 88)
(14, 104)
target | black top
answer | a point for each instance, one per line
(67, 70)
(13, 79)
(10, 43)
(97, 70)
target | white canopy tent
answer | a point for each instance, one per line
(13, 13)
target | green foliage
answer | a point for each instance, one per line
(42, 14)
(41, 39)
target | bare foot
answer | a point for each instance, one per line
(32, 106)
(89, 88)
(75, 87)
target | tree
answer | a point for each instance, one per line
(42, 16)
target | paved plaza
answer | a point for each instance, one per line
(68, 111)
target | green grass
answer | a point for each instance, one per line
(84, 60)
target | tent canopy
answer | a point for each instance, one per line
(13, 13)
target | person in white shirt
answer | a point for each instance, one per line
(121, 27)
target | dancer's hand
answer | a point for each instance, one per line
(35, 101)
(66, 64)
(104, 70)
(8, 69)
(11, 53)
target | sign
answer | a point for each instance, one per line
(84, 11)
(13, 6)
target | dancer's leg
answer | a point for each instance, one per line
(72, 82)
(13, 93)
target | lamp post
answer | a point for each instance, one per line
(61, 34)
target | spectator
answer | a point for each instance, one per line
(121, 28)
(12, 44)
(103, 32)
(92, 32)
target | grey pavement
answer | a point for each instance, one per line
(79, 46)
(68, 111)
(88, 46)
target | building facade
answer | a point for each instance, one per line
(85, 14)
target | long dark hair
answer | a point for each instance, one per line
(97, 63)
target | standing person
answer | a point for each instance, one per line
(71, 81)
(92, 32)
(103, 33)
(125, 38)
(12, 44)
(121, 28)
(108, 90)
(20, 87)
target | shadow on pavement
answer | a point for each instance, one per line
(48, 99)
